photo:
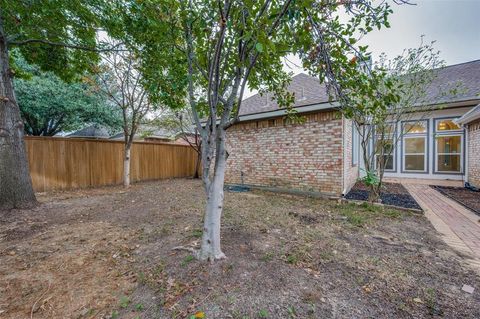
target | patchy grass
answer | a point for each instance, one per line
(108, 253)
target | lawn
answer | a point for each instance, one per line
(107, 253)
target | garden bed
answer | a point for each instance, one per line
(463, 196)
(392, 194)
(107, 253)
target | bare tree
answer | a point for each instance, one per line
(182, 123)
(121, 79)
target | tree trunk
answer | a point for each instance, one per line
(126, 165)
(196, 175)
(210, 249)
(16, 190)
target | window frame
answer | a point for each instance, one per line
(355, 142)
(448, 133)
(393, 135)
(426, 136)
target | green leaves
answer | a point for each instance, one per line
(49, 105)
(259, 47)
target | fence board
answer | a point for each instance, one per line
(67, 163)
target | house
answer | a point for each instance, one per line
(322, 154)
(155, 134)
(471, 122)
(93, 131)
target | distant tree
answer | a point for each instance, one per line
(182, 122)
(59, 36)
(49, 105)
(121, 79)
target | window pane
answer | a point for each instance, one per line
(415, 127)
(414, 145)
(449, 144)
(388, 161)
(447, 125)
(386, 129)
(387, 146)
(448, 163)
(414, 162)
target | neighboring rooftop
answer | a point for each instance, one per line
(92, 131)
(308, 91)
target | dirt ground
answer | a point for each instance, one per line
(462, 195)
(107, 253)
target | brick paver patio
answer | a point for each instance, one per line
(460, 228)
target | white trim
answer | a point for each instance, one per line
(425, 156)
(436, 153)
(280, 112)
(472, 115)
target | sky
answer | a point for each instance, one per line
(453, 24)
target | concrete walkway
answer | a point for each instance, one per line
(460, 228)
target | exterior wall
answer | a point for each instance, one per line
(473, 153)
(276, 153)
(350, 170)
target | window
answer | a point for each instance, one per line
(415, 127)
(415, 146)
(414, 153)
(446, 125)
(385, 147)
(355, 145)
(449, 153)
(448, 146)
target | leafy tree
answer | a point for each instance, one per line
(230, 44)
(408, 77)
(49, 105)
(59, 36)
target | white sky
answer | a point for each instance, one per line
(453, 24)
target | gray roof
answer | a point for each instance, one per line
(94, 131)
(308, 90)
(464, 76)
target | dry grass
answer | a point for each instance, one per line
(107, 253)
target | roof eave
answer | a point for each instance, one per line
(282, 112)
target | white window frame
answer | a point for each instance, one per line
(375, 155)
(437, 153)
(425, 151)
(448, 133)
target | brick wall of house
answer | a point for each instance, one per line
(350, 170)
(277, 153)
(474, 153)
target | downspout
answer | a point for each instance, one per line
(465, 154)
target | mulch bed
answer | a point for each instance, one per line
(392, 194)
(463, 196)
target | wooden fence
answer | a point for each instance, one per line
(66, 163)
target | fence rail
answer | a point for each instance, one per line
(67, 163)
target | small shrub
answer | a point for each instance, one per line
(124, 301)
(139, 307)
(263, 313)
(188, 259)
